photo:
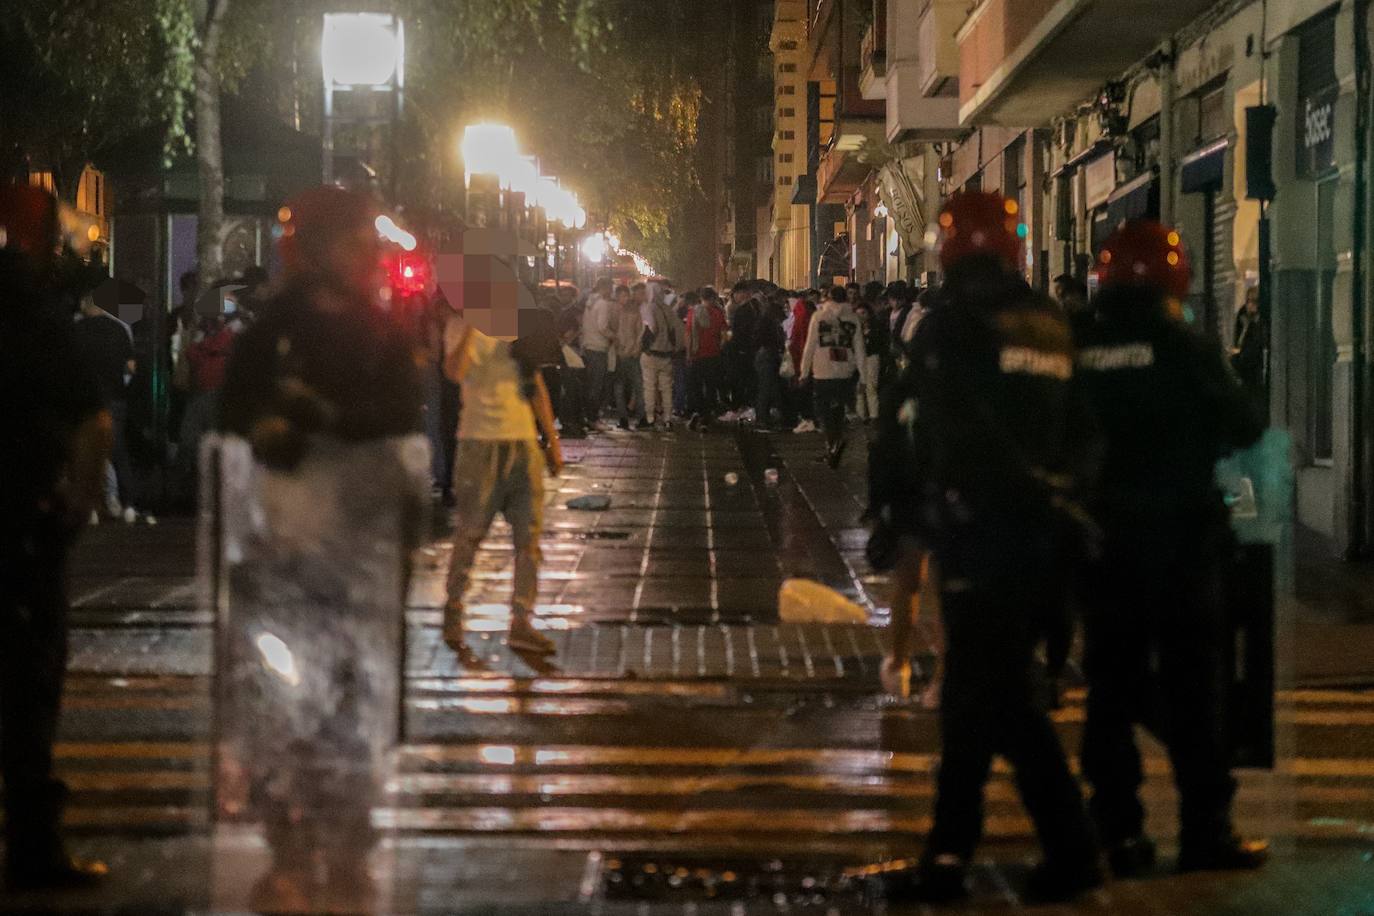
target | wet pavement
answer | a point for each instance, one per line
(686, 751)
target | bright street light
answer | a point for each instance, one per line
(594, 248)
(362, 49)
(488, 149)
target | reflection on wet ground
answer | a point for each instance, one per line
(685, 751)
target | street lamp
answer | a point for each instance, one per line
(360, 52)
(488, 149)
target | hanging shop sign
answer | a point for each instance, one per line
(1318, 91)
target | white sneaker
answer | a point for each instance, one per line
(95, 518)
(130, 515)
(805, 426)
(149, 520)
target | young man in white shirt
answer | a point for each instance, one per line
(500, 468)
(834, 352)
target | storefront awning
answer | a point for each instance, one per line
(1204, 169)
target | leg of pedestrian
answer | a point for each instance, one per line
(476, 478)
(523, 508)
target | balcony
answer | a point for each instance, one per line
(937, 54)
(873, 57)
(1022, 62)
(922, 70)
(840, 171)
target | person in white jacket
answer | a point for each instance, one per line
(832, 357)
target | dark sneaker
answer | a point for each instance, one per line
(1228, 854)
(1050, 883)
(63, 874)
(454, 633)
(836, 453)
(625, 425)
(525, 638)
(1133, 857)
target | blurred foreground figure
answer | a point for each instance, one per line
(55, 437)
(1156, 628)
(312, 506)
(995, 447)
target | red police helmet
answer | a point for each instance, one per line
(313, 221)
(1146, 254)
(29, 223)
(981, 223)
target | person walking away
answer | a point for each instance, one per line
(867, 400)
(799, 390)
(598, 339)
(739, 352)
(996, 443)
(706, 331)
(662, 339)
(1156, 627)
(772, 343)
(1250, 348)
(628, 388)
(834, 351)
(54, 442)
(106, 348)
(500, 469)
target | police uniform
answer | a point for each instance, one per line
(320, 359)
(46, 394)
(995, 440)
(1168, 408)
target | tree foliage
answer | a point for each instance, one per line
(603, 91)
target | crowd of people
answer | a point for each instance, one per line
(1021, 445)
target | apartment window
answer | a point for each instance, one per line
(787, 46)
(787, 112)
(787, 68)
(1212, 114)
(789, 135)
(785, 158)
(785, 181)
(789, 90)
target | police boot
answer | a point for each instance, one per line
(1131, 857)
(1054, 882)
(941, 879)
(1227, 853)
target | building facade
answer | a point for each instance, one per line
(1243, 122)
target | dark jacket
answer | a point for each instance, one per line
(326, 362)
(998, 435)
(1168, 408)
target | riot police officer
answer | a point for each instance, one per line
(1168, 408)
(55, 436)
(323, 357)
(996, 445)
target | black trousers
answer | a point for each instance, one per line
(33, 664)
(832, 396)
(704, 387)
(1156, 634)
(999, 588)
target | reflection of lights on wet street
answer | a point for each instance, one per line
(277, 657)
(499, 755)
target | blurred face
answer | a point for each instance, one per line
(623, 297)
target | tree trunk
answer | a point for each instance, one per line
(209, 152)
